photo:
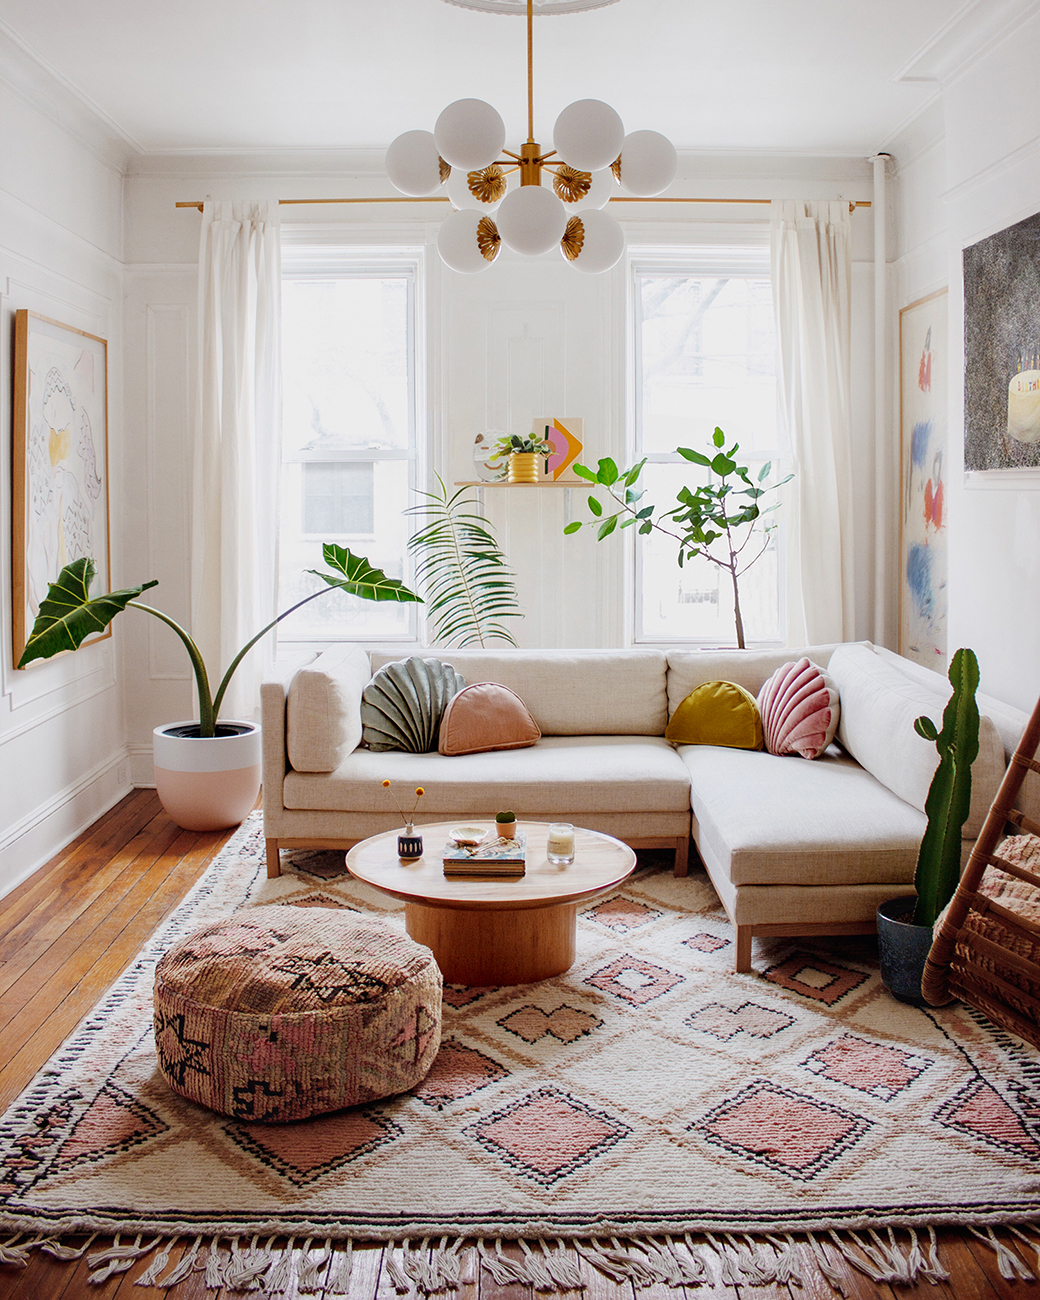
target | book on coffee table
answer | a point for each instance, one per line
(492, 857)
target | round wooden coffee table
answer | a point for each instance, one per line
(494, 931)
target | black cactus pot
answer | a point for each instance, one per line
(903, 949)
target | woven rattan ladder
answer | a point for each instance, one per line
(965, 961)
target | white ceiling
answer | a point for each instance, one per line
(189, 76)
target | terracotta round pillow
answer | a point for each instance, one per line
(483, 717)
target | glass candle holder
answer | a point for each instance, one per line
(560, 844)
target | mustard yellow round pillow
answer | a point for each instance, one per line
(717, 713)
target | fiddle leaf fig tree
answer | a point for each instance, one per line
(717, 520)
(69, 614)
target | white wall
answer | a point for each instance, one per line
(524, 338)
(968, 167)
(62, 757)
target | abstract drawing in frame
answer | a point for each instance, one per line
(60, 461)
(567, 434)
(1002, 350)
(923, 431)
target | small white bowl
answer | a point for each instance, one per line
(463, 835)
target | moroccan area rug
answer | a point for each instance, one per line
(650, 1111)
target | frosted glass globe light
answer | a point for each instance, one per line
(463, 197)
(648, 163)
(531, 220)
(603, 244)
(601, 191)
(458, 242)
(413, 165)
(469, 134)
(588, 135)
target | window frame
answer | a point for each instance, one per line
(745, 255)
(329, 254)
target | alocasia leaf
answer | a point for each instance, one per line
(361, 578)
(68, 615)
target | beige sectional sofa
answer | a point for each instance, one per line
(792, 847)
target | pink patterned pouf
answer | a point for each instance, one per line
(280, 1013)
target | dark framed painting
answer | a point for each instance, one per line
(1002, 351)
(59, 462)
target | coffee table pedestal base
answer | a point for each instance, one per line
(485, 946)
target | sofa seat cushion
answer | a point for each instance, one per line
(769, 820)
(562, 775)
(575, 692)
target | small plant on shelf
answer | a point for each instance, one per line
(515, 444)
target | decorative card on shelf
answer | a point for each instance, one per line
(566, 434)
(497, 857)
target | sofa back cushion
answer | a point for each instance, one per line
(879, 703)
(688, 669)
(323, 710)
(574, 692)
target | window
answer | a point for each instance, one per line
(704, 349)
(350, 414)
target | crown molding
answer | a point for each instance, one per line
(973, 31)
(44, 88)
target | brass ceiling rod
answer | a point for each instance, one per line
(438, 198)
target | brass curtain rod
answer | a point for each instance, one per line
(437, 198)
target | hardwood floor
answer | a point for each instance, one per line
(68, 931)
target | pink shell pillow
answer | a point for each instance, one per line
(483, 717)
(799, 707)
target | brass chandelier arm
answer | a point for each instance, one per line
(439, 198)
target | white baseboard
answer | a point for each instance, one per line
(142, 770)
(49, 827)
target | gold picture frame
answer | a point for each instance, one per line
(60, 491)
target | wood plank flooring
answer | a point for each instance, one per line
(69, 930)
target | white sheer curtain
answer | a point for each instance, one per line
(237, 442)
(812, 284)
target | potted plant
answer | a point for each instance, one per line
(207, 772)
(904, 940)
(523, 455)
(505, 825)
(717, 520)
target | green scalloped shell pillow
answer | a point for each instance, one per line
(717, 713)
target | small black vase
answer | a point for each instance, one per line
(903, 949)
(409, 845)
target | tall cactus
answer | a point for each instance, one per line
(949, 795)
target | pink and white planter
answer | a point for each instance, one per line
(207, 783)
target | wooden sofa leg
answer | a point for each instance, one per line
(682, 857)
(743, 945)
(274, 861)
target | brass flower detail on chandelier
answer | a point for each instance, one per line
(489, 241)
(487, 185)
(573, 238)
(570, 184)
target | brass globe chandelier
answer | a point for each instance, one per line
(591, 157)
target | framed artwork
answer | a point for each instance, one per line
(923, 353)
(1002, 351)
(59, 463)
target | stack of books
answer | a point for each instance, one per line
(492, 857)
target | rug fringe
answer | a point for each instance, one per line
(431, 1266)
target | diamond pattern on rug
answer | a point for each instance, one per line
(318, 899)
(786, 1131)
(979, 1111)
(812, 977)
(462, 995)
(459, 1071)
(621, 914)
(724, 1022)
(882, 1071)
(114, 1122)
(309, 1150)
(635, 980)
(548, 1135)
(705, 942)
(564, 1023)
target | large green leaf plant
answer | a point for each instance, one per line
(69, 614)
(717, 520)
(469, 587)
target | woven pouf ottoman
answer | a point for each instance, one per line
(280, 1013)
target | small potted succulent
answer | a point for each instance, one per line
(505, 824)
(523, 455)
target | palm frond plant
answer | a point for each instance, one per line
(69, 614)
(468, 586)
